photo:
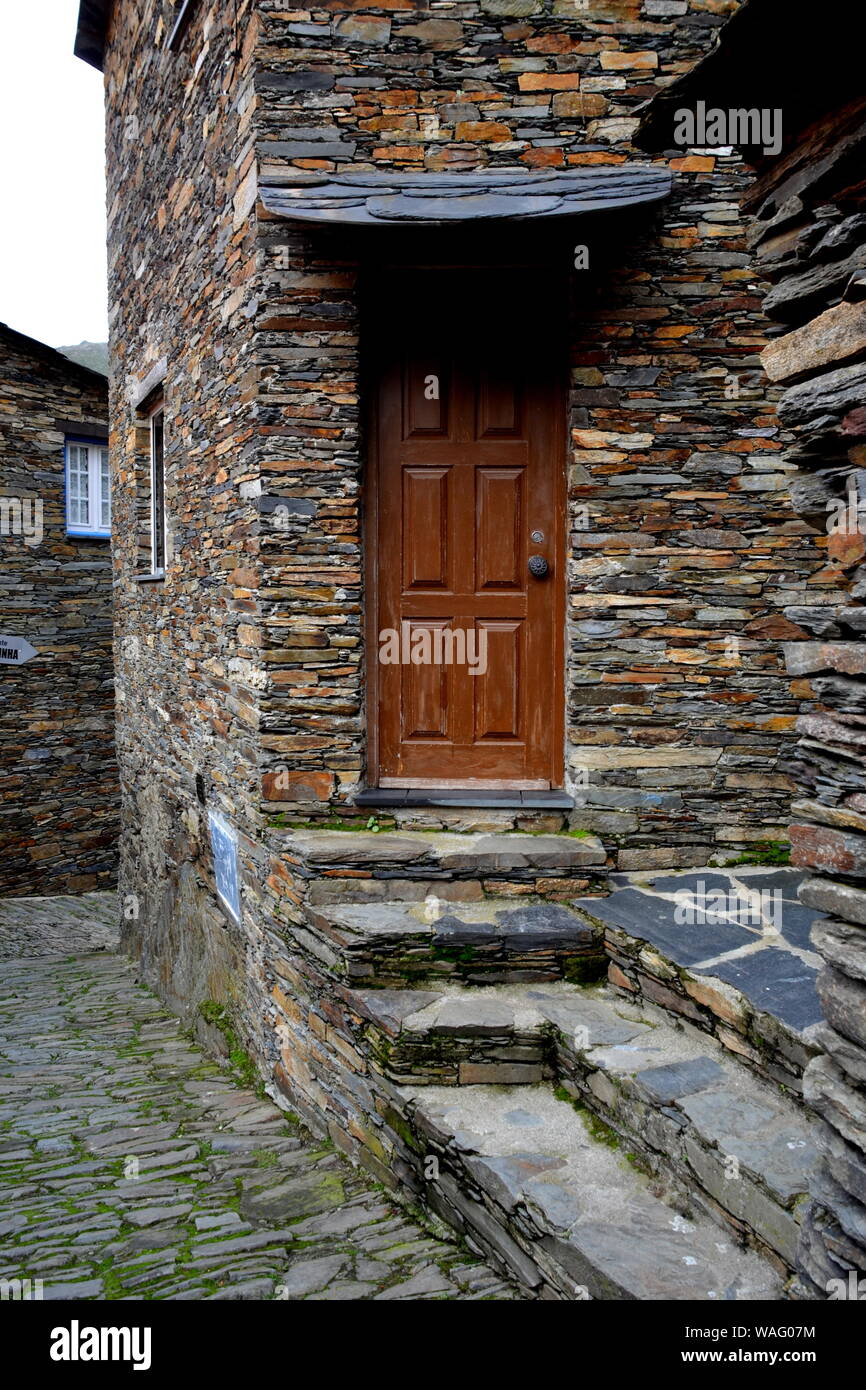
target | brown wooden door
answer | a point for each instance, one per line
(467, 454)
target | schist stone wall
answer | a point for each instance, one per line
(182, 309)
(59, 797)
(241, 675)
(810, 237)
(684, 552)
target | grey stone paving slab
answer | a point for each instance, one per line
(777, 982)
(131, 1166)
(761, 910)
(482, 853)
(796, 922)
(652, 919)
(680, 1079)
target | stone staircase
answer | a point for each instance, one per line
(696, 1121)
(597, 1142)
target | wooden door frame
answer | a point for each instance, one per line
(368, 381)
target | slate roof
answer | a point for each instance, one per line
(381, 198)
(34, 348)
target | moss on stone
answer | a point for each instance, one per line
(585, 970)
(765, 852)
(240, 1061)
(457, 955)
(395, 1121)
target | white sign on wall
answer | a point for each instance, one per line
(224, 847)
(14, 651)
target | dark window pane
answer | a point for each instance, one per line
(158, 491)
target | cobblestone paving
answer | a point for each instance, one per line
(133, 1167)
(58, 926)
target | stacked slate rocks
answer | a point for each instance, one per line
(810, 241)
(60, 798)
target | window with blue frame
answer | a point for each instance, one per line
(88, 487)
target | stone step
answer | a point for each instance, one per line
(714, 1134)
(454, 1036)
(491, 941)
(395, 865)
(744, 970)
(521, 1175)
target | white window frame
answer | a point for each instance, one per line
(158, 414)
(95, 529)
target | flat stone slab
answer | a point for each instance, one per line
(480, 853)
(539, 924)
(387, 196)
(455, 1010)
(652, 919)
(744, 926)
(679, 1079)
(777, 983)
(550, 1186)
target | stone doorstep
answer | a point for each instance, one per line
(451, 798)
(419, 853)
(494, 941)
(521, 1176)
(703, 1124)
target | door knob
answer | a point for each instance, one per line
(537, 566)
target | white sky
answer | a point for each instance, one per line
(52, 188)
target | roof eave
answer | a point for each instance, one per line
(37, 348)
(93, 16)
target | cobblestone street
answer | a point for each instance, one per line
(134, 1167)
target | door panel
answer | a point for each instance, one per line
(467, 462)
(499, 697)
(427, 708)
(499, 527)
(498, 403)
(425, 528)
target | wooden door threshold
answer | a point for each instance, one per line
(396, 798)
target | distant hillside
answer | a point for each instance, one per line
(92, 355)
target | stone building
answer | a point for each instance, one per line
(59, 805)
(413, 343)
(808, 234)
